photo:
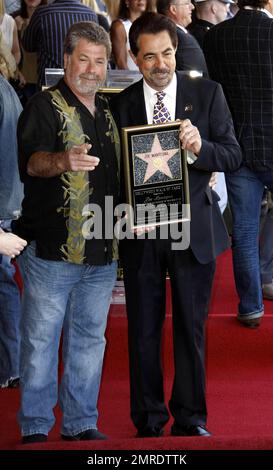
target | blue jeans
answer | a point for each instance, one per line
(12, 190)
(266, 248)
(73, 298)
(245, 190)
(10, 312)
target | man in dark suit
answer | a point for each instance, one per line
(207, 132)
(239, 55)
(208, 14)
(189, 55)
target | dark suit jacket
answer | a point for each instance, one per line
(199, 28)
(189, 55)
(220, 152)
(239, 55)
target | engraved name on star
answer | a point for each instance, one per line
(157, 160)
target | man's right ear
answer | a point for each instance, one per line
(172, 10)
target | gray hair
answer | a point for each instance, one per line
(89, 31)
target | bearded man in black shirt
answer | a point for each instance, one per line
(68, 159)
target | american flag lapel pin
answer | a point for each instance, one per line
(188, 107)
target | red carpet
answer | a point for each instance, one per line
(239, 385)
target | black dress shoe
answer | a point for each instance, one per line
(11, 383)
(194, 430)
(14, 383)
(249, 321)
(32, 438)
(88, 435)
(150, 432)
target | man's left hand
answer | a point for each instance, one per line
(189, 137)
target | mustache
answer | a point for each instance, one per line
(90, 76)
(158, 70)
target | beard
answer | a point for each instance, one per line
(88, 83)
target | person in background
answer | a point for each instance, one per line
(207, 14)
(112, 7)
(233, 9)
(189, 56)
(266, 246)
(218, 184)
(129, 11)
(8, 66)
(8, 29)
(11, 6)
(68, 159)
(28, 63)
(97, 5)
(100, 9)
(206, 131)
(47, 29)
(10, 246)
(11, 194)
(239, 56)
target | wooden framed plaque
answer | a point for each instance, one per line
(156, 175)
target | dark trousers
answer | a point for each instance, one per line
(145, 284)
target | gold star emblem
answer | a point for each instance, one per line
(157, 160)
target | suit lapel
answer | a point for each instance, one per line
(137, 107)
(184, 104)
(184, 99)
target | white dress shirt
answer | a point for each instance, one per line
(182, 27)
(169, 99)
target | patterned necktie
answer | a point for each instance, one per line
(161, 113)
